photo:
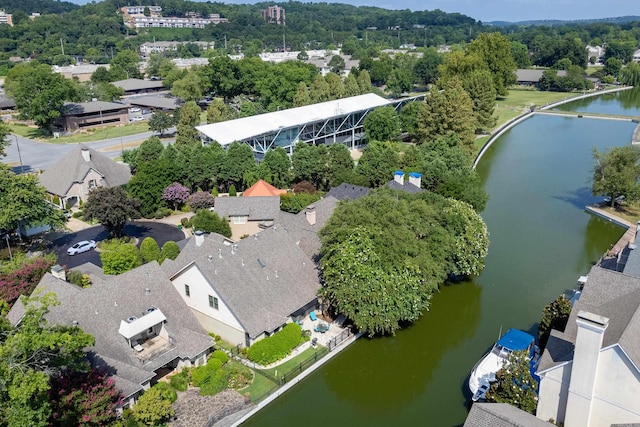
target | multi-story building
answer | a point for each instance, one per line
(148, 48)
(273, 15)
(5, 18)
(174, 22)
(139, 10)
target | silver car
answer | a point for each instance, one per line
(80, 247)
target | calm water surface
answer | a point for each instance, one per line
(537, 176)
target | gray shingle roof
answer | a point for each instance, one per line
(348, 191)
(137, 84)
(533, 76)
(261, 298)
(406, 187)
(610, 294)
(261, 208)
(73, 108)
(100, 308)
(155, 101)
(501, 415)
(74, 168)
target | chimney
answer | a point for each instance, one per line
(311, 215)
(398, 176)
(414, 178)
(199, 237)
(58, 271)
(584, 371)
(85, 154)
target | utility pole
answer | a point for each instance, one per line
(225, 42)
(284, 43)
(19, 155)
(61, 45)
(6, 236)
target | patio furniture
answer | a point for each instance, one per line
(312, 315)
(321, 327)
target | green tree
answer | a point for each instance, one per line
(153, 408)
(612, 67)
(554, 316)
(479, 86)
(30, 353)
(149, 250)
(351, 87)
(426, 68)
(125, 66)
(337, 64)
(336, 87)
(302, 96)
(339, 164)
(23, 201)
(218, 111)
(170, 250)
(118, 257)
(520, 54)
(514, 384)
(616, 173)
(309, 163)
(149, 182)
(364, 82)
(319, 91)
(112, 207)
(189, 87)
(38, 92)
(275, 168)
(446, 113)
(189, 118)
(210, 222)
(151, 149)
(159, 66)
(495, 51)
(378, 161)
(382, 124)
(160, 122)
(238, 160)
(630, 75)
(409, 118)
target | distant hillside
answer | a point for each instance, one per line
(40, 6)
(552, 22)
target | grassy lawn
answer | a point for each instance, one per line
(520, 100)
(295, 361)
(628, 211)
(259, 386)
(89, 135)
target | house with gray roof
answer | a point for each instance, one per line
(81, 170)
(590, 373)
(140, 332)
(531, 77)
(501, 415)
(347, 191)
(137, 86)
(411, 186)
(81, 115)
(247, 215)
(245, 290)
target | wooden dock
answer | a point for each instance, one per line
(628, 237)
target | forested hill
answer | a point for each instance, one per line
(554, 22)
(39, 6)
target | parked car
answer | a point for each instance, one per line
(134, 110)
(80, 247)
(137, 118)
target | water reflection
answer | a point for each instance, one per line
(624, 102)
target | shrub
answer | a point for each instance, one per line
(185, 222)
(232, 191)
(303, 187)
(169, 250)
(203, 374)
(167, 392)
(56, 200)
(221, 356)
(200, 200)
(22, 276)
(77, 214)
(162, 212)
(296, 202)
(152, 408)
(74, 277)
(217, 381)
(149, 250)
(277, 346)
(179, 382)
(210, 222)
(118, 257)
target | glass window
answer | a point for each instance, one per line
(213, 302)
(187, 291)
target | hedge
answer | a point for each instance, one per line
(277, 346)
(221, 356)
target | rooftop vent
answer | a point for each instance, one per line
(219, 253)
(131, 319)
(75, 323)
(152, 308)
(147, 291)
(210, 257)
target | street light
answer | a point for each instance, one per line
(19, 155)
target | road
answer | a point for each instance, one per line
(162, 233)
(37, 156)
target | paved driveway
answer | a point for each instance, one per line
(139, 229)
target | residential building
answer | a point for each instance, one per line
(152, 103)
(148, 48)
(141, 333)
(245, 290)
(273, 15)
(248, 215)
(81, 72)
(138, 86)
(590, 373)
(527, 77)
(410, 186)
(6, 18)
(501, 415)
(81, 170)
(81, 115)
(597, 52)
(139, 10)
(262, 188)
(347, 191)
(174, 22)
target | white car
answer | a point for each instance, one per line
(137, 118)
(80, 247)
(134, 110)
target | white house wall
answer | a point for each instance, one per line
(554, 388)
(221, 321)
(617, 389)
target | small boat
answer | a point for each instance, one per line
(484, 372)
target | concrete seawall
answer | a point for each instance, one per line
(511, 123)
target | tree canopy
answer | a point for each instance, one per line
(112, 207)
(384, 254)
(616, 173)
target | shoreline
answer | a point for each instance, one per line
(517, 120)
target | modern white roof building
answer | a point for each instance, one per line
(329, 122)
